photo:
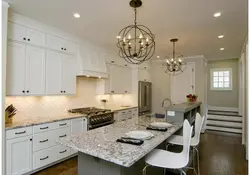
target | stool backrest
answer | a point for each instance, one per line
(198, 126)
(187, 132)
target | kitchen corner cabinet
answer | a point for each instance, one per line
(20, 33)
(19, 155)
(60, 73)
(144, 75)
(119, 81)
(25, 69)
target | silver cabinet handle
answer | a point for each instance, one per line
(45, 127)
(62, 124)
(63, 135)
(42, 141)
(20, 132)
(62, 151)
(44, 158)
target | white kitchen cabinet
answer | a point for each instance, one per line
(126, 74)
(126, 114)
(21, 33)
(116, 79)
(60, 74)
(144, 75)
(78, 125)
(16, 69)
(60, 44)
(35, 71)
(25, 70)
(19, 155)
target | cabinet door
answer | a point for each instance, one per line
(126, 82)
(35, 37)
(19, 155)
(116, 79)
(15, 69)
(69, 47)
(144, 75)
(77, 126)
(55, 43)
(16, 32)
(35, 70)
(53, 73)
(69, 74)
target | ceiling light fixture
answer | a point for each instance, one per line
(221, 36)
(222, 48)
(216, 15)
(77, 15)
(174, 63)
(136, 43)
(157, 56)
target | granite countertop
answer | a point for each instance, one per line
(184, 107)
(30, 121)
(120, 108)
(101, 142)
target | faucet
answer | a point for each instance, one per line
(166, 99)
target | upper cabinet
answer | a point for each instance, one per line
(25, 70)
(59, 44)
(20, 33)
(60, 74)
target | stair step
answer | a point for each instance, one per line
(224, 118)
(224, 113)
(224, 124)
(232, 130)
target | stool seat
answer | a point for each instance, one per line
(166, 159)
(178, 140)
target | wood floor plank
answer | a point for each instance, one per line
(219, 155)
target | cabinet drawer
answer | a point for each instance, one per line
(61, 152)
(64, 123)
(62, 132)
(20, 132)
(44, 140)
(45, 127)
(43, 158)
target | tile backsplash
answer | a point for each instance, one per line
(86, 96)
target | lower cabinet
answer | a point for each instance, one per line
(19, 155)
(126, 114)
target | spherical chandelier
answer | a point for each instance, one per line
(136, 42)
(174, 63)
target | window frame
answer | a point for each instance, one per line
(221, 70)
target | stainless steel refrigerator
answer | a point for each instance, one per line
(144, 97)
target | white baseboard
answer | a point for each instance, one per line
(223, 108)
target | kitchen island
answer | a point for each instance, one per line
(100, 154)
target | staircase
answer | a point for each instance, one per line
(224, 121)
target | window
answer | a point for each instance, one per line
(221, 79)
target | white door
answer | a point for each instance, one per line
(35, 71)
(16, 68)
(69, 74)
(77, 126)
(127, 80)
(16, 32)
(116, 80)
(19, 155)
(54, 73)
(35, 37)
(183, 84)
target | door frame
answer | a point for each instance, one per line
(172, 79)
(242, 95)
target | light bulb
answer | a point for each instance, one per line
(129, 43)
(124, 39)
(147, 40)
(140, 36)
(129, 36)
(180, 60)
(142, 43)
(172, 60)
(118, 37)
(167, 61)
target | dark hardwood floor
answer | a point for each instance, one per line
(220, 154)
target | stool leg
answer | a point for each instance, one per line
(144, 171)
(193, 158)
(198, 160)
(168, 145)
(182, 172)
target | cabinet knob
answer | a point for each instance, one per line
(27, 91)
(61, 48)
(30, 139)
(61, 91)
(64, 91)
(112, 91)
(24, 38)
(126, 91)
(28, 39)
(64, 49)
(23, 91)
(112, 61)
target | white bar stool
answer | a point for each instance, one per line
(177, 140)
(165, 159)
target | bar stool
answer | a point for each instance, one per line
(177, 140)
(165, 159)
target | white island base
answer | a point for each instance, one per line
(89, 165)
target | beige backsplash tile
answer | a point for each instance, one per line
(45, 106)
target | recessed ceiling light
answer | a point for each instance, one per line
(221, 36)
(216, 15)
(157, 56)
(77, 15)
(222, 48)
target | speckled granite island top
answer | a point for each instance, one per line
(102, 143)
(31, 121)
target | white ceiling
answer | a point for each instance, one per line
(191, 21)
